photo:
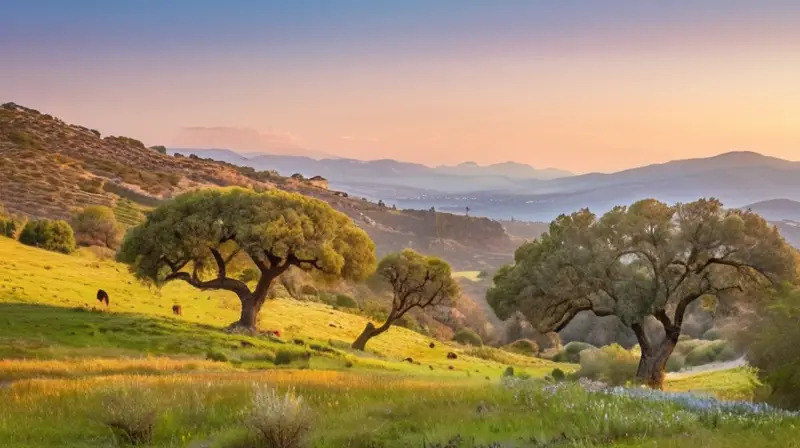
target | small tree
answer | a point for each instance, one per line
(11, 225)
(196, 238)
(97, 225)
(416, 281)
(649, 260)
(48, 234)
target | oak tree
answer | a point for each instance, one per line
(416, 281)
(649, 259)
(196, 238)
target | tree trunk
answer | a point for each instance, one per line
(654, 362)
(369, 332)
(251, 306)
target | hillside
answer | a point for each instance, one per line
(777, 209)
(49, 168)
(64, 368)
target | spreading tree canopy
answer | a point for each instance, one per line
(649, 259)
(195, 238)
(416, 281)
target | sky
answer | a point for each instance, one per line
(578, 85)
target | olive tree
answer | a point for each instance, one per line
(416, 281)
(97, 225)
(196, 237)
(646, 260)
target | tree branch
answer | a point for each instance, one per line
(227, 284)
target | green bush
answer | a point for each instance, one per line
(558, 374)
(523, 347)
(11, 226)
(611, 364)
(772, 341)
(53, 235)
(685, 347)
(345, 301)
(716, 351)
(467, 337)
(284, 357)
(97, 225)
(676, 362)
(571, 352)
(712, 335)
(216, 355)
(409, 322)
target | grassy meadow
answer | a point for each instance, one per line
(65, 368)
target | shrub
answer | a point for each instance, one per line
(523, 347)
(345, 301)
(215, 355)
(712, 335)
(11, 226)
(710, 352)
(56, 236)
(571, 352)
(675, 363)
(409, 322)
(278, 421)
(558, 374)
(509, 371)
(159, 148)
(97, 225)
(130, 414)
(611, 364)
(483, 274)
(684, 347)
(467, 337)
(284, 357)
(772, 340)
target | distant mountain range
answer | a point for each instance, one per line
(777, 209)
(363, 176)
(507, 190)
(737, 178)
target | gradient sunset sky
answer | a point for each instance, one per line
(580, 85)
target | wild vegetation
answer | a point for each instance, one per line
(159, 364)
(646, 260)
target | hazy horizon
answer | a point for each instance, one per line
(575, 85)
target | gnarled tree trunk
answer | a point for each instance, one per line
(653, 363)
(370, 331)
(250, 310)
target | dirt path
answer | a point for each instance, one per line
(713, 367)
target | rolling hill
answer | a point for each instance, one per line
(49, 168)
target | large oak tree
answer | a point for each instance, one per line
(416, 281)
(649, 259)
(196, 237)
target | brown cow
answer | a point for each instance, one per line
(177, 310)
(102, 297)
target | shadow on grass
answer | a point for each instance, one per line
(50, 332)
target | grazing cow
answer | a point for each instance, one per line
(452, 355)
(102, 297)
(276, 333)
(177, 310)
(432, 345)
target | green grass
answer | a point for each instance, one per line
(61, 358)
(45, 312)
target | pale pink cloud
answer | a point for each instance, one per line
(235, 138)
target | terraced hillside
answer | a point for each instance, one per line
(49, 168)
